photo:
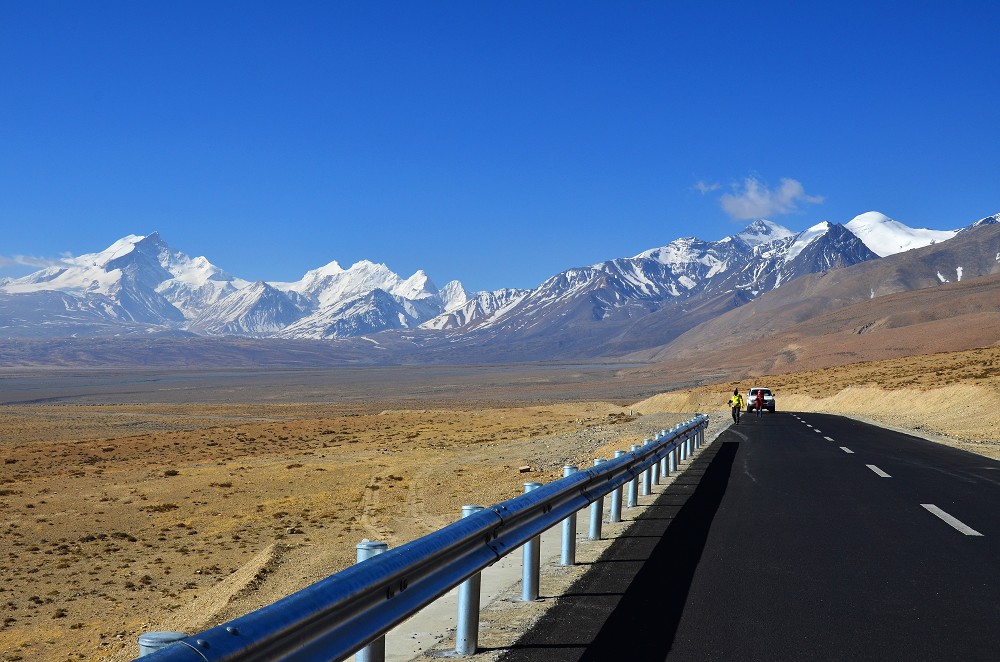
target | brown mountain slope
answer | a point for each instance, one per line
(975, 252)
(812, 323)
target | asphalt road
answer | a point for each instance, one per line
(797, 537)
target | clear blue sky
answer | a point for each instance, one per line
(493, 142)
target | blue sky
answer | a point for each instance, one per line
(493, 142)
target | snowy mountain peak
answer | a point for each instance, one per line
(763, 231)
(885, 236)
(417, 286)
(332, 284)
(807, 237)
(453, 295)
(123, 246)
(328, 269)
(989, 220)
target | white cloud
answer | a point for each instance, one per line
(704, 187)
(756, 200)
(7, 262)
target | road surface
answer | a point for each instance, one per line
(797, 537)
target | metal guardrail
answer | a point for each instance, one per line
(339, 615)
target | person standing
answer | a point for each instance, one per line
(760, 402)
(736, 402)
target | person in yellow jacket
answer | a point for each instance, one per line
(736, 402)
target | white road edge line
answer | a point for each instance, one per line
(878, 471)
(828, 438)
(951, 521)
(845, 449)
(818, 430)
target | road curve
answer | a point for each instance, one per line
(797, 537)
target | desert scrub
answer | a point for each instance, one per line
(160, 508)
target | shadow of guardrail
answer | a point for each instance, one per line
(629, 603)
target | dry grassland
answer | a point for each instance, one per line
(123, 519)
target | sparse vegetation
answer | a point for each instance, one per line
(160, 507)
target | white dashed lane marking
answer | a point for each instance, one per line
(951, 521)
(878, 471)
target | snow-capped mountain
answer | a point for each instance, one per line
(257, 310)
(141, 285)
(475, 310)
(664, 291)
(332, 284)
(762, 232)
(820, 248)
(989, 220)
(371, 312)
(454, 295)
(149, 281)
(140, 280)
(885, 236)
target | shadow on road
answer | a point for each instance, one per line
(630, 601)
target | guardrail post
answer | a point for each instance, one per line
(646, 490)
(633, 486)
(596, 513)
(150, 642)
(616, 499)
(531, 560)
(664, 472)
(375, 651)
(568, 555)
(654, 474)
(467, 629)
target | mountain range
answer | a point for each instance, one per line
(140, 287)
(943, 297)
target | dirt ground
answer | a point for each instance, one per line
(127, 518)
(120, 517)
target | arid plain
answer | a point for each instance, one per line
(134, 501)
